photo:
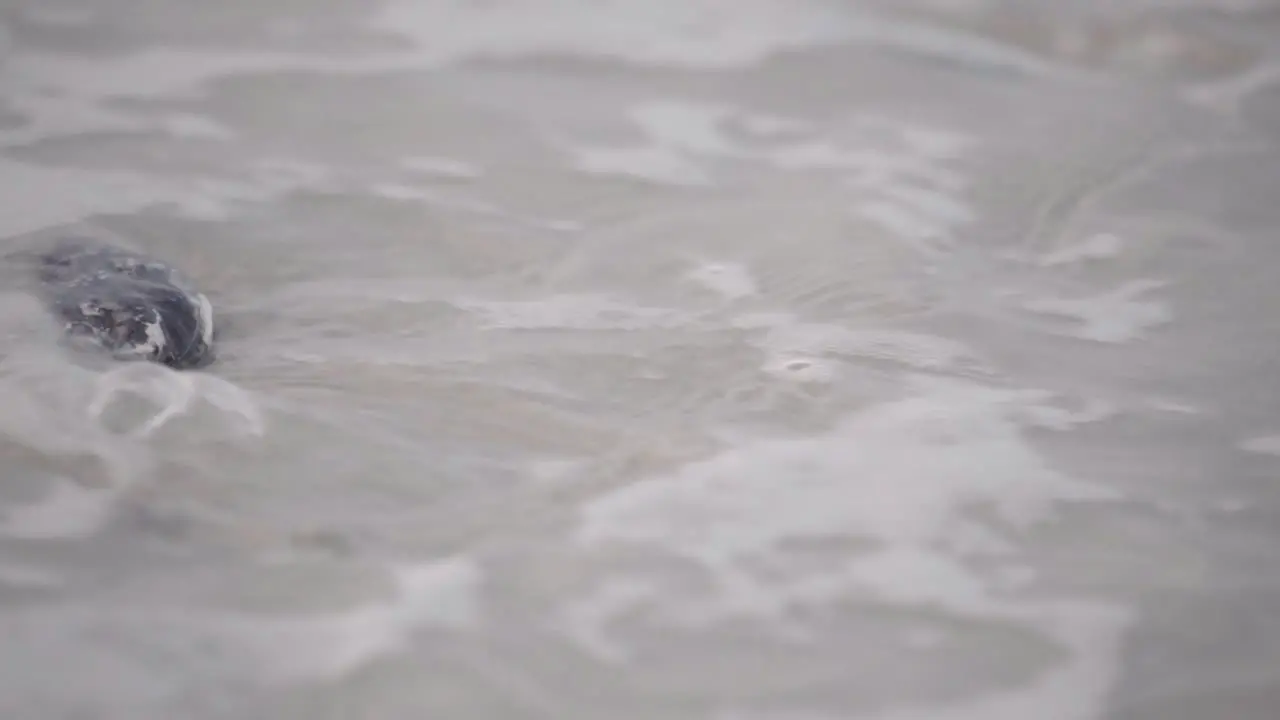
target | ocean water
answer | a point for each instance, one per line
(680, 359)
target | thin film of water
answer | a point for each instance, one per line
(748, 360)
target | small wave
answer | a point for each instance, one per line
(80, 433)
(169, 395)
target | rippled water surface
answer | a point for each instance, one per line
(705, 359)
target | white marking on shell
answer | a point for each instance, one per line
(155, 339)
(206, 319)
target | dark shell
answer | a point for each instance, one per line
(133, 306)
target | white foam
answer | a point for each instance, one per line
(934, 142)
(698, 33)
(1096, 247)
(397, 191)
(66, 95)
(900, 479)
(1229, 93)
(147, 657)
(28, 576)
(1111, 317)
(875, 162)
(715, 34)
(157, 72)
(436, 595)
(234, 402)
(785, 337)
(156, 340)
(1262, 445)
(54, 114)
(692, 127)
(171, 392)
(39, 197)
(898, 173)
(570, 312)
(44, 396)
(941, 209)
(1043, 414)
(654, 164)
(774, 126)
(69, 511)
(584, 618)
(682, 132)
(443, 167)
(911, 462)
(171, 395)
(690, 33)
(185, 125)
(732, 281)
(676, 133)
(58, 16)
(802, 369)
(1091, 637)
(1173, 405)
(405, 192)
(901, 222)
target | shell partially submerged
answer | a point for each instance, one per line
(131, 305)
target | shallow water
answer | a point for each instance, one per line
(738, 360)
